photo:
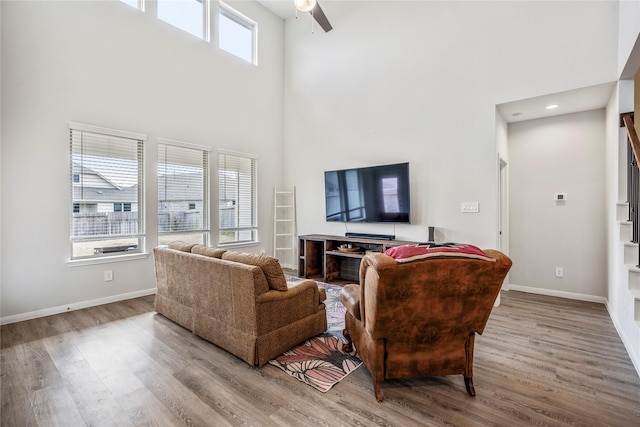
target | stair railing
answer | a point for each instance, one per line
(633, 176)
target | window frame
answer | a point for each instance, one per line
(243, 20)
(140, 236)
(139, 4)
(253, 228)
(206, 27)
(205, 230)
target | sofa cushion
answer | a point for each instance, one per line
(270, 267)
(179, 245)
(408, 253)
(207, 251)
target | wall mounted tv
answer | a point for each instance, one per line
(368, 194)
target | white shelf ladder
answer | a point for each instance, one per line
(284, 227)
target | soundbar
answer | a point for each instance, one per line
(371, 236)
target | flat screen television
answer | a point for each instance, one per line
(368, 194)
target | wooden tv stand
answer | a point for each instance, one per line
(321, 259)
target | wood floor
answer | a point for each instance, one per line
(542, 361)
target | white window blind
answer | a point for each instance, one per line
(183, 194)
(237, 199)
(107, 215)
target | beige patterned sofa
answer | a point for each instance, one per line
(240, 302)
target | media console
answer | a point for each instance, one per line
(327, 258)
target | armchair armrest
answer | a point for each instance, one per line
(350, 298)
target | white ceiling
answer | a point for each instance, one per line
(572, 101)
(282, 8)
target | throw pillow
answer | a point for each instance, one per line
(408, 253)
(270, 267)
(179, 245)
(207, 251)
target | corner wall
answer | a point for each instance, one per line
(419, 82)
(562, 154)
(105, 63)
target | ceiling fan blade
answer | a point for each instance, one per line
(321, 18)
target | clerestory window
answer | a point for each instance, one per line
(138, 4)
(191, 16)
(237, 34)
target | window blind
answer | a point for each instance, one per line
(237, 198)
(183, 189)
(107, 191)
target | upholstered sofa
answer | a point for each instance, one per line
(240, 302)
(420, 318)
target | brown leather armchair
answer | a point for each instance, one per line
(420, 318)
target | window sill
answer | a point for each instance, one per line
(238, 245)
(106, 259)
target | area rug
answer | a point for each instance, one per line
(320, 361)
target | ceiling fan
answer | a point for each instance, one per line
(313, 7)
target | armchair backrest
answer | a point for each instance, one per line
(420, 301)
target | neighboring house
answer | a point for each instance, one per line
(94, 192)
(180, 201)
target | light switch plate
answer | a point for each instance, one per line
(469, 207)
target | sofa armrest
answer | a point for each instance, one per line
(350, 298)
(276, 309)
(294, 291)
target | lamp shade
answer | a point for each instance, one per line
(304, 5)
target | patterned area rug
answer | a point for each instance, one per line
(320, 361)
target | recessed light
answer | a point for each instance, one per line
(551, 107)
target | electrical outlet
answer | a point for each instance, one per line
(108, 275)
(559, 272)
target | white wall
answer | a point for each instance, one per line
(419, 82)
(107, 64)
(562, 154)
(620, 302)
(628, 29)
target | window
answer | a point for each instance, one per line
(183, 193)
(237, 202)
(191, 16)
(107, 215)
(122, 207)
(138, 4)
(237, 34)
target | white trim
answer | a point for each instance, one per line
(635, 357)
(238, 245)
(241, 19)
(107, 131)
(206, 21)
(74, 306)
(105, 259)
(561, 294)
(237, 153)
(184, 144)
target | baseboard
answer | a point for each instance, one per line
(560, 294)
(75, 306)
(635, 357)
